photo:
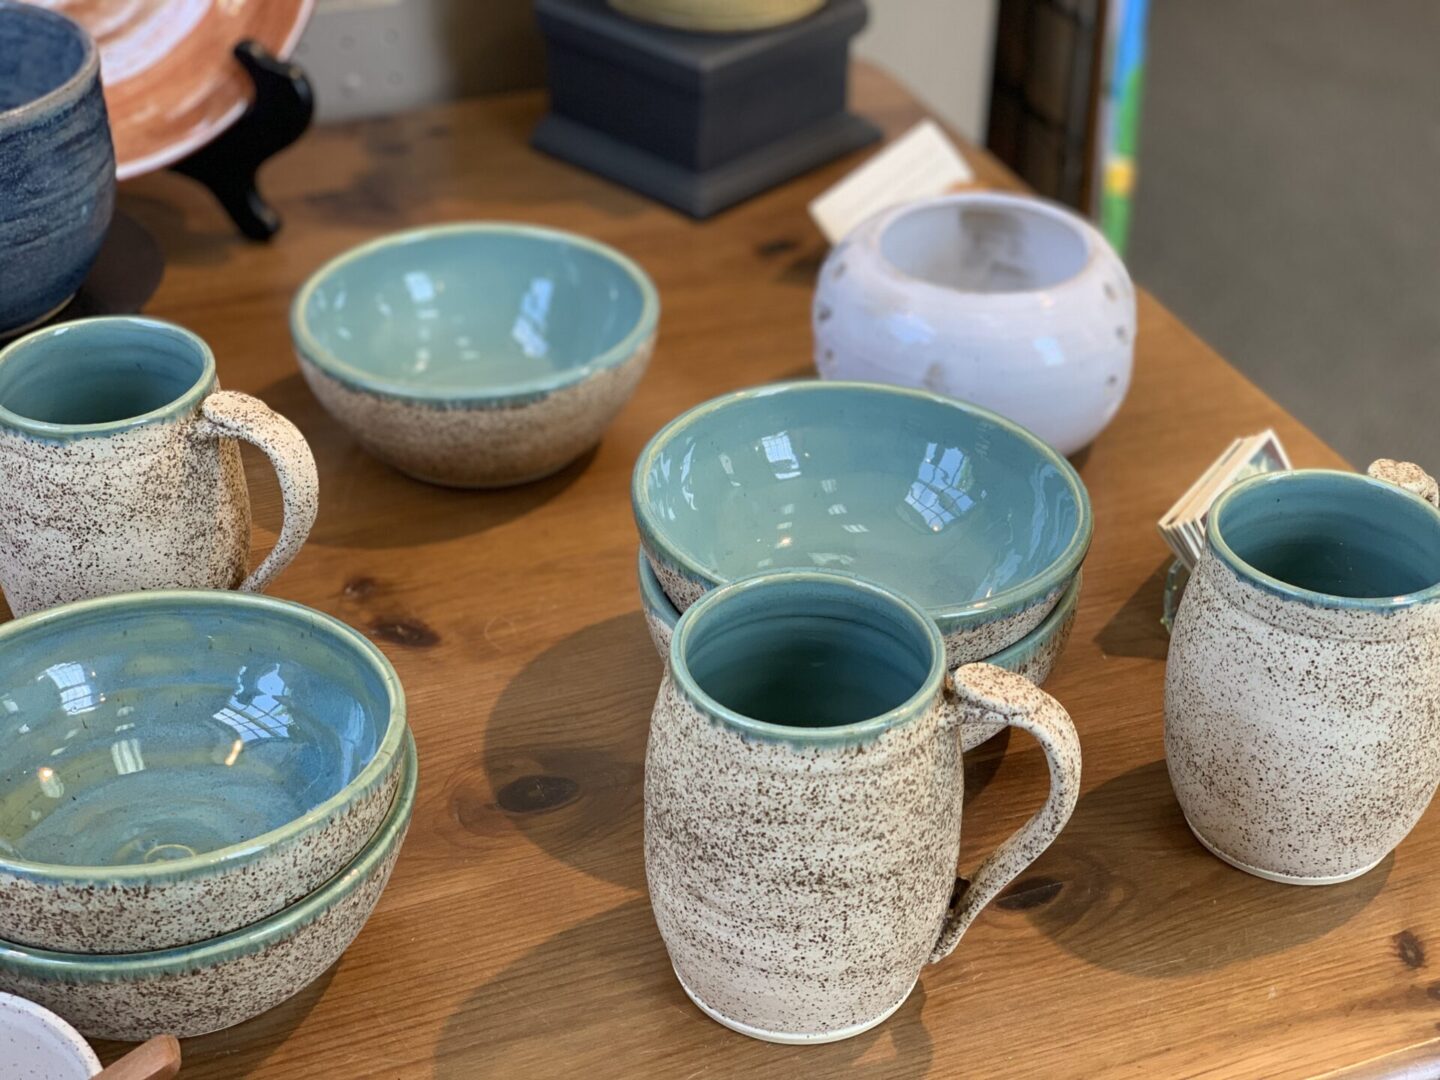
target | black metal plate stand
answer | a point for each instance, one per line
(281, 111)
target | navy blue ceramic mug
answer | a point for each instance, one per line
(57, 163)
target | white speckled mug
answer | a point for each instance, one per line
(803, 794)
(1302, 690)
(121, 470)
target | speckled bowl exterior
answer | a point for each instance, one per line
(801, 876)
(1302, 732)
(57, 164)
(227, 980)
(143, 906)
(492, 401)
(484, 444)
(1033, 656)
(35, 1044)
(951, 504)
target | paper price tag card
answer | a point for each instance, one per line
(920, 164)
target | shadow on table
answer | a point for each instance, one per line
(1128, 888)
(1136, 630)
(600, 999)
(243, 1048)
(565, 753)
(366, 504)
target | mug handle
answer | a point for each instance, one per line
(230, 414)
(1408, 475)
(984, 693)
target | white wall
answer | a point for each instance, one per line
(942, 50)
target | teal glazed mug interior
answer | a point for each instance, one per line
(476, 354)
(970, 514)
(1302, 692)
(803, 797)
(178, 764)
(122, 470)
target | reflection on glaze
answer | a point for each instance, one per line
(169, 732)
(470, 309)
(945, 505)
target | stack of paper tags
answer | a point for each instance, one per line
(1183, 527)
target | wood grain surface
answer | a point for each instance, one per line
(516, 939)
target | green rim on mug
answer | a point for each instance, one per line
(374, 772)
(138, 326)
(863, 592)
(1275, 483)
(48, 966)
(312, 350)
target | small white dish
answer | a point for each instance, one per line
(35, 1044)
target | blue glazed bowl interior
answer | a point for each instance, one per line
(39, 53)
(470, 309)
(1330, 534)
(161, 726)
(941, 501)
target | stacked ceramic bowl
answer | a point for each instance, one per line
(202, 795)
(973, 517)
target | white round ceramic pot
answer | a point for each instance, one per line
(1006, 301)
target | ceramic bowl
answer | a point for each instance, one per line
(177, 764)
(35, 1044)
(972, 516)
(171, 78)
(224, 981)
(476, 355)
(1033, 656)
(718, 16)
(1008, 301)
(57, 166)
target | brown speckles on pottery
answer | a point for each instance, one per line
(222, 982)
(122, 471)
(800, 873)
(480, 445)
(1302, 693)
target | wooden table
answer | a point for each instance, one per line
(516, 939)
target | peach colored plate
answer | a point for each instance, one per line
(171, 80)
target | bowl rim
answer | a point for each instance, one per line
(658, 604)
(310, 350)
(76, 84)
(1015, 597)
(224, 859)
(46, 965)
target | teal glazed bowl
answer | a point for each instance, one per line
(476, 355)
(1033, 656)
(984, 525)
(175, 765)
(222, 982)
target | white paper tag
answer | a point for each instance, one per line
(921, 163)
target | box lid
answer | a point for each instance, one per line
(693, 60)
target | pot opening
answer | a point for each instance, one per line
(39, 53)
(1334, 534)
(809, 654)
(100, 371)
(980, 247)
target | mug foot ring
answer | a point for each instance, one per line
(793, 1038)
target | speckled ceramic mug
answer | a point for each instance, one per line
(1302, 690)
(803, 794)
(121, 470)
